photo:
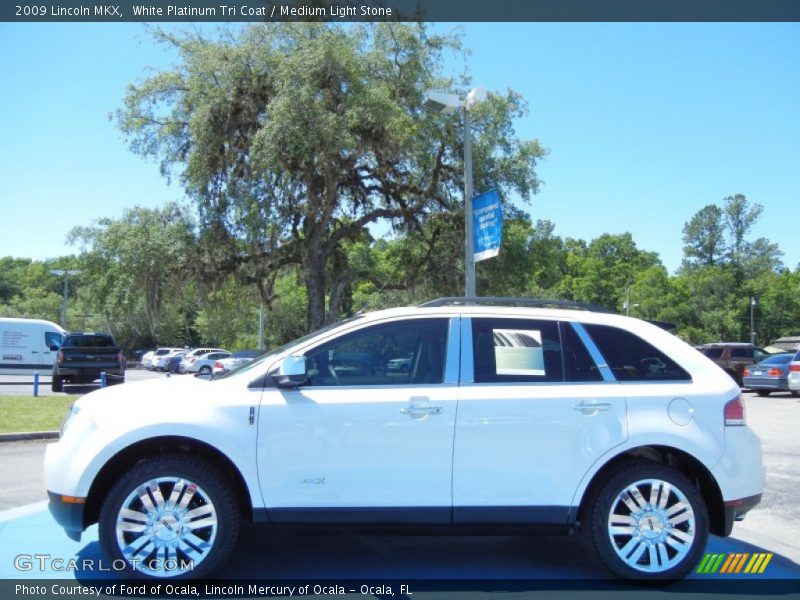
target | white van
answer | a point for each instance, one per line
(28, 345)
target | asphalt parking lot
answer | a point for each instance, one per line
(774, 526)
(22, 385)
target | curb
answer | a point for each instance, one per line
(30, 435)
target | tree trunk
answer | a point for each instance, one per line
(314, 276)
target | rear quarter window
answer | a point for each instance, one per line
(631, 358)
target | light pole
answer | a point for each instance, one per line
(752, 320)
(445, 102)
(66, 273)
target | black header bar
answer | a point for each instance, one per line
(191, 11)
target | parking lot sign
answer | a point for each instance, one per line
(487, 218)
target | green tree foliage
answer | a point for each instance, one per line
(704, 237)
(137, 268)
(292, 138)
(601, 272)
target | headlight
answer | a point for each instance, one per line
(73, 411)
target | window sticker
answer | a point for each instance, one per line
(518, 352)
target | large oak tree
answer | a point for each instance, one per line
(293, 138)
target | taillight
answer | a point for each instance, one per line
(794, 368)
(60, 357)
(775, 372)
(746, 373)
(219, 365)
(734, 412)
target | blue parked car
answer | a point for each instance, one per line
(770, 375)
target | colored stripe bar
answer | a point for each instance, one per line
(765, 563)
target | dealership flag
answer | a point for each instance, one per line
(487, 225)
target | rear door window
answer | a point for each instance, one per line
(578, 363)
(516, 350)
(633, 359)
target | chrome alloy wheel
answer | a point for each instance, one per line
(166, 527)
(651, 525)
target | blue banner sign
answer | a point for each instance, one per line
(487, 225)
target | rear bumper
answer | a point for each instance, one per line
(765, 383)
(736, 509)
(88, 373)
(68, 514)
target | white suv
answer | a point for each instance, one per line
(507, 416)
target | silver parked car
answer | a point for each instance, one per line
(194, 355)
(205, 363)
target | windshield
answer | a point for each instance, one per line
(280, 350)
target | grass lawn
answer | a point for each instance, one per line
(26, 413)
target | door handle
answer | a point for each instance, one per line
(591, 408)
(421, 411)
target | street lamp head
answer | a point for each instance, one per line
(476, 96)
(58, 272)
(442, 102)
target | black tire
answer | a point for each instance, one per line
(796, 393)
(210, 486)
(205, 370)
(763, 393)
(609, 547)
(58, 384)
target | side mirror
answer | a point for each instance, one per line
(291, 372)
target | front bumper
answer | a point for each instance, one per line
(68, 512)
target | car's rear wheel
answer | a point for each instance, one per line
(648, 522)
(205, 370)
(57, 384)
(763, 393)
(169, 517)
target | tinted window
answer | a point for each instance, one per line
(712, 352)
(631, 358)
(741, 352)
(577, 360)
(516, 350)
(399, 353)
(89, 341)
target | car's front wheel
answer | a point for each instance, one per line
(170, 516)
(649, 522)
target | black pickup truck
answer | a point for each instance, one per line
(83, 356)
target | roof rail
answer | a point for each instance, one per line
(503, 301)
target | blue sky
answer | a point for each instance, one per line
(645, 123)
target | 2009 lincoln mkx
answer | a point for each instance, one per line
(509, 414)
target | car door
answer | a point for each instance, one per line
(360, 442)
(535, 412)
